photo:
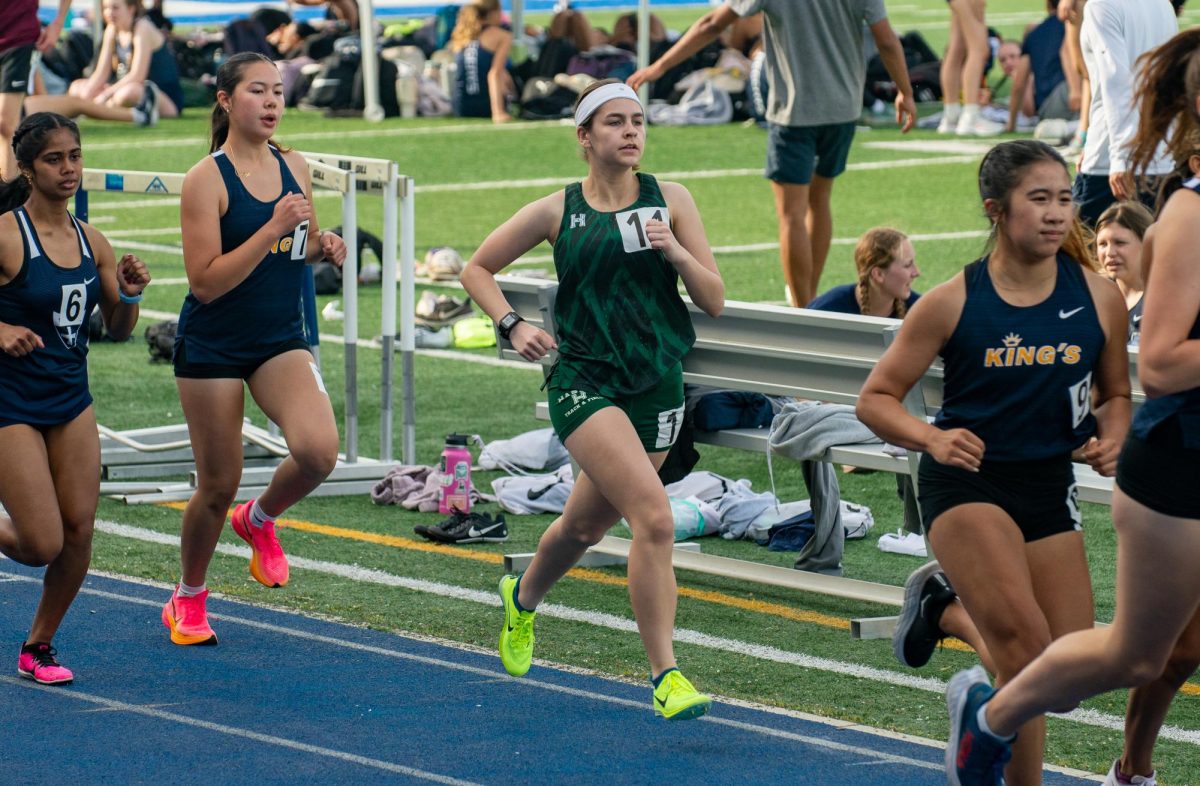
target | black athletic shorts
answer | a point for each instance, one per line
(1040, 496)
(1160, 472)
(189, 370)
(16, 66)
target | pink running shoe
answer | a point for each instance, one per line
(187, 619)
(37, 663)
(268, 563)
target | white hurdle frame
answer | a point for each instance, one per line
(382, 177)
(342, 175)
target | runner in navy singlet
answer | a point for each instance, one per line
(1153, 643)
(54, 270)
(248, 231)
(1033, 344)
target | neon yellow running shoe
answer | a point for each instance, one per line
(677, 699)
(516, 637)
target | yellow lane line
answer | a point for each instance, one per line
(597, 577)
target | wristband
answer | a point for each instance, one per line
(130, 299)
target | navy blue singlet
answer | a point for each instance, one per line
(50, 385)
(1185, 404)
(263, 311)
(1020, 378)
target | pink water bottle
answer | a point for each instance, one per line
(456, 475)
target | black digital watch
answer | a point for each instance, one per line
(507, 323)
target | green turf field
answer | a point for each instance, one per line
(766, 645)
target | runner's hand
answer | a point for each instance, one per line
(333, 247)
(1102, 454)
(956, 447)
(663, 239)
(132, 275)
(18, 341)
(291, 211)
(531, 341)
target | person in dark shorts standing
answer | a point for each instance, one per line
(20, 36)
(815, 76)
(1151, 644)
(248, 231)
(1033, 344)
(54, 269)
(622, 241)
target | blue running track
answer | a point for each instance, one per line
(287, 699)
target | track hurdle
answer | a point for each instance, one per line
(377, 176)
(166, 450)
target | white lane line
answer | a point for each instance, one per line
(444, 354)
(492, 675)
(542, 259)
(240, 734)
(366, 133)
(545, 182)
(613, 622)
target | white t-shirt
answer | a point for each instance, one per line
(1114, 34)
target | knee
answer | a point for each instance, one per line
(7, 129)
(1016, 646)
(582, 533)
(77, 531)
(1180, 666)
(655, 528)
(41, 552)
(316, 458)
(1142, 668)
(216, 495)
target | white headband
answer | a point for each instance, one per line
(594, 99)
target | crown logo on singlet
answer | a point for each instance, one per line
(1013, 354)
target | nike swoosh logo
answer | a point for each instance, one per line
(1137, 318)
(1068, 314)
(89, 280)
(479, 533)
(661, 702)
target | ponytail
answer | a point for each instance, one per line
(1166, 99)
(877, 248)
(470, 23)
(1079, 244)
(13, 193)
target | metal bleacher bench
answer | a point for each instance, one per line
(784, 351)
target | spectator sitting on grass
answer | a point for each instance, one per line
(136, 78)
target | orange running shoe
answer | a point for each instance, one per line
(268, 563)
(187, 619)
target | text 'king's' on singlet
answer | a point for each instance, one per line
(1020, 377)
(49, 385)
(1185, 404)
(263, 311)
(620, 319)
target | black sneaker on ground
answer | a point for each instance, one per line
(146, 112)
(452, 523)
(470, 528)
(927, 593)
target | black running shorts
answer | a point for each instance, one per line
(1160, 473)
(1040, 496)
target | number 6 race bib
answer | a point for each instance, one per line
(632, 224)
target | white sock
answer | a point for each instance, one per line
(257, 517)
(951, 112)
(981, 719)
(188, 591)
